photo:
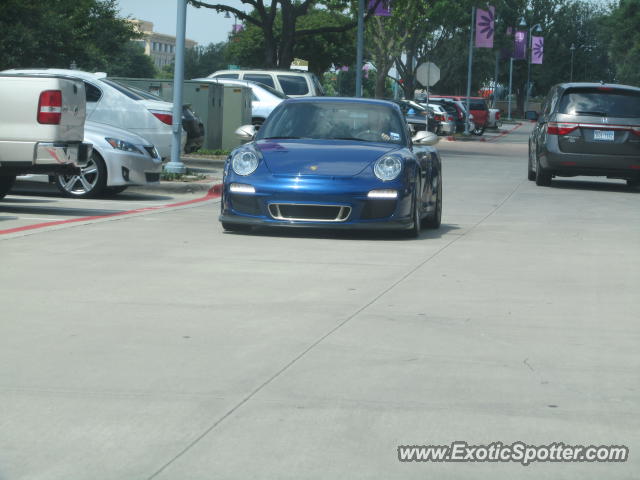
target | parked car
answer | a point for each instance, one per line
(119, 159)
(477, 107)
(263, 98)
(293, 83)
(418, 117)
(333, 162)
(42, 122)
(587, 129)
(494, 120)
(110, 104)
(446, 123)
(460, 110)
(191, 123)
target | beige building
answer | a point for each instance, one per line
(159, 46)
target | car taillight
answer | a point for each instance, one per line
(439, 118)
(163, 117)
(451, 118)
(50, 107)
(557, 128)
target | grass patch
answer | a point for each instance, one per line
(189, 175)
(205, 151)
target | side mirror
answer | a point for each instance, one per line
(531, 115)
(245, 132)
(424, 137)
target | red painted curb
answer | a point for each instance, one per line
(214, 192)
(507, 132)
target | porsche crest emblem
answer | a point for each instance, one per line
(313, 167)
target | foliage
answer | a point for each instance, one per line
(246, 48)
(200, 61)
(57, 33)
(131, 62)
(623, 29)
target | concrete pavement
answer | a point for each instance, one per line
(157, 346)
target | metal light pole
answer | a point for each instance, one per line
(176, 165)
(359, 48)
(469, 66)
(572, 48)
(510, 84)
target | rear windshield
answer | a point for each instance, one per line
(273, 91)
(259, 78)
(293, 84)
(600, 102)
(122, 89)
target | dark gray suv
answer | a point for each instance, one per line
(587, 129)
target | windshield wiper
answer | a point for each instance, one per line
(591, 112)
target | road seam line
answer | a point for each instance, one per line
(298, 357)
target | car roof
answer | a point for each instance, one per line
(59, 71)
(620, 86)
(261, 70)
(366, 101)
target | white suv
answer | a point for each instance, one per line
(292, 83)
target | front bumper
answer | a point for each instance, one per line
(127, 168)
(262, 208)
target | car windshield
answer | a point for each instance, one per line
(601, 102)
(335, 120)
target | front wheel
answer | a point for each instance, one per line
(6, 182)
(531, 174)
(414, 231)
(478, 130)
(633, 182)
(435, 219)
(90, 183)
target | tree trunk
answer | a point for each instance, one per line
(287, 36)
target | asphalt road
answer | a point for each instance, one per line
(154, 345)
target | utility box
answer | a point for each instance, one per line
(221, 108)
(236, 109)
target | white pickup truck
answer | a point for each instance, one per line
(41, 126)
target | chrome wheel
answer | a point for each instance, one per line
(90, 182)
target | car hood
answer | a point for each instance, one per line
(320, 157)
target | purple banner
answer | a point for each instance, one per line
(537, 49)
(520, 45)
(382, 9)
(484, 27)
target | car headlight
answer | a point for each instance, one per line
(244, 162)
(122, 145)
(388, 167)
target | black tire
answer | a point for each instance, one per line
(531, 174)
(90, 183)
(6, 182)
(478, 130)
(110, 191)
(543, 177)
(235, 227)
(434, 220)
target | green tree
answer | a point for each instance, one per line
(57, 33)
(131, 62)
(623, 28)
(246, 48)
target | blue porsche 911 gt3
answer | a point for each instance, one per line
(333, 163)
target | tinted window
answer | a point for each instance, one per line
(334, 120)
(477, 105)
(293, 84)
(603, 101)
(317, 85)
(259, 78)
(92, 93)
(122, 89)
(273, 91)
(227, 75)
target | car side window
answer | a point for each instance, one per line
(227, 75)
(293, 84)
(92, 93)
(259, 78)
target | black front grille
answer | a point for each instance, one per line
(245, 204)
(320, 213)
(152, 177)
(152, 151)
(378, 208)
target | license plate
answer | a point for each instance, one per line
(603, 135)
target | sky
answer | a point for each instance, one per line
(204, 25)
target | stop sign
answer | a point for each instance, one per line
(428, 74)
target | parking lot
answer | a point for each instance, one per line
(140, 341)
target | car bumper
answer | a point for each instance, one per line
(296, 201)
(573, 164)
(126, 168)
(55, 154)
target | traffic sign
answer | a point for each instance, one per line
(428, 74)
